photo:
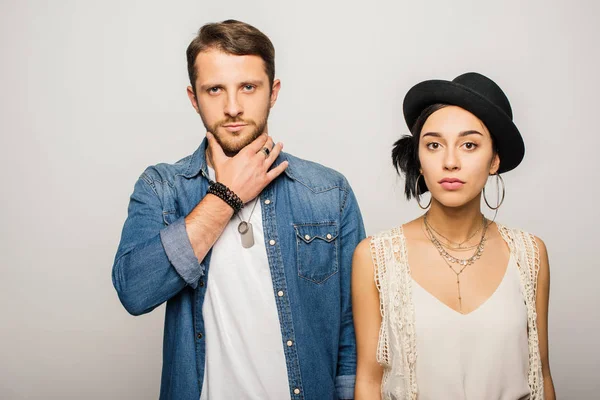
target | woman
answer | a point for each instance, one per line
(453, 305)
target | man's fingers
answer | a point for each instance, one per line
(269, 144)
(264, 154)
(275, 172)
(274, 154)
(258, 143)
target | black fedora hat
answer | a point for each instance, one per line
(480, 96)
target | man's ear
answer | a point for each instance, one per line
(193, 99)
(275, 91)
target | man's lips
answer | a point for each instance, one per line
(234, 127)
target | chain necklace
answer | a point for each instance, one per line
(458, 250)
(457, 282)
(456, 245)
(447, 246)
(463, 263)
(449, 257)
(245, 229)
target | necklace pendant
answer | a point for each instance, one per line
(247, 234)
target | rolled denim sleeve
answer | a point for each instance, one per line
(154, 262)
(180, 252)
(344, 386)
(352, 232)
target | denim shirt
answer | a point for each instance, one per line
(312, 223)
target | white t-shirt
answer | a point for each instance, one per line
(244, 347)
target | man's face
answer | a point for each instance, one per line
(233, 97)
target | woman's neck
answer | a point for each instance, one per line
(455, 223)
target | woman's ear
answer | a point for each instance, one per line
(495, 165)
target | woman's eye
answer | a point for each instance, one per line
(470, 145)
(433, 146)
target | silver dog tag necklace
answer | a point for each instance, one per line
(245, 228)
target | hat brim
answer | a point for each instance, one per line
(507, 137)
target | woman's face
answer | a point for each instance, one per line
(456, 155)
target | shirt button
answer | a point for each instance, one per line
(306, 237)
(329, 236)
(200, 336)
(272, 242)
(296, 391)
(290, 343)
(201, 283)
(267, 201)
(280, 293)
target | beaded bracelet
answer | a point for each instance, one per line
(227, 195)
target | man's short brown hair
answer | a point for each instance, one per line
(232, 37)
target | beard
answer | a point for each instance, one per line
(233, 142)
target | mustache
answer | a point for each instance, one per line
(235, 120)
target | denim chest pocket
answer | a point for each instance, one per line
(316, 250)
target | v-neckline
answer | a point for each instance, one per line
(437, 300)
(480, 306)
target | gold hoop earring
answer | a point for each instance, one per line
(418, 195)
(498, 181)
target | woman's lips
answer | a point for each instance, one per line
(451, 183)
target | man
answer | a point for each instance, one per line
(258, 298)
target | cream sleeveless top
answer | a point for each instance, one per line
(428, 352)
(480, 355)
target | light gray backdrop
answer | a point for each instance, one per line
(91, 92)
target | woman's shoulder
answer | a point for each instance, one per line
(513, 232)
(386, 234)
(516, 230)
(398, 231)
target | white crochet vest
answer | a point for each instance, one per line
(396, 350)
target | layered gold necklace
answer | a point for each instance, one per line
(449, 259)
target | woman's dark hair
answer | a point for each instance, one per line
(405, 153)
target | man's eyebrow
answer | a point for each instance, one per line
(255, 82)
